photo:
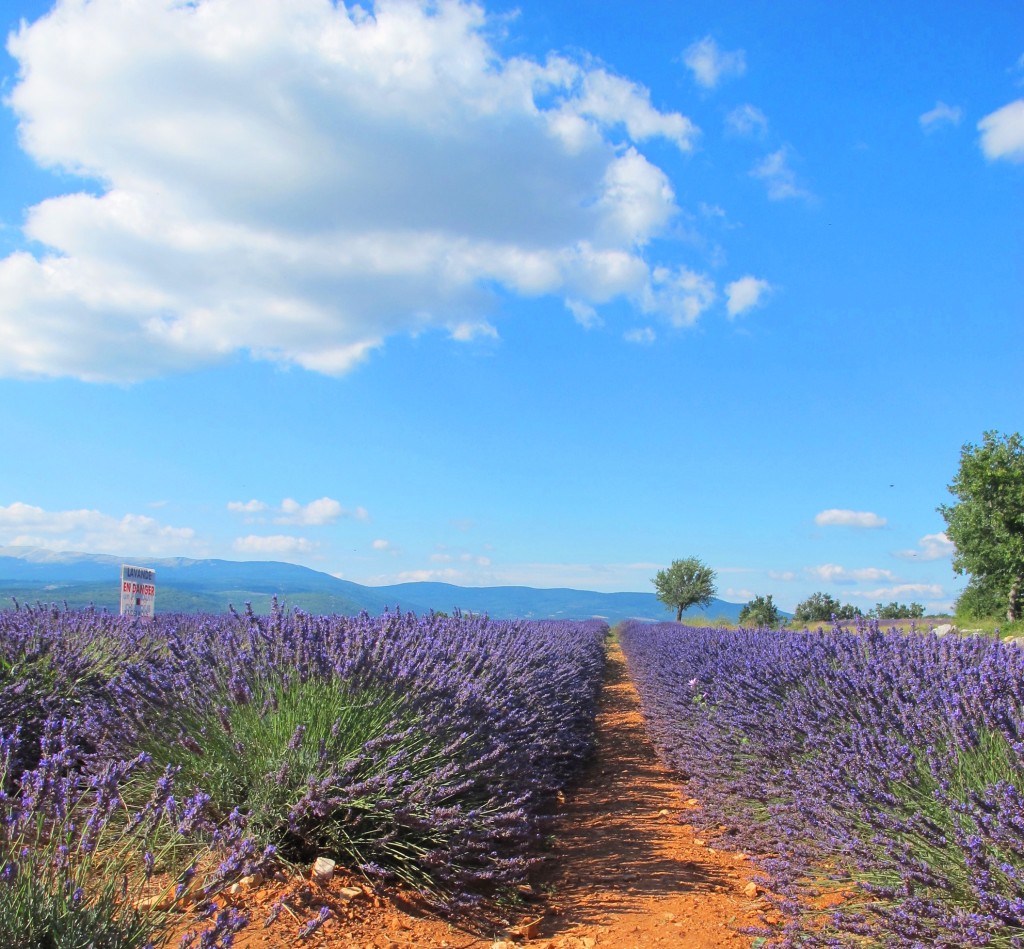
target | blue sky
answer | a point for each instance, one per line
(546, 294)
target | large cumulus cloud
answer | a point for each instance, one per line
(300, 180)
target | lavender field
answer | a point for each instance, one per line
(876, 776)
(146, 766)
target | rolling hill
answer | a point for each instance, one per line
(34, 574)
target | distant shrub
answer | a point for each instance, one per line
(760, 611)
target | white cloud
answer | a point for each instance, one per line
(734, 594)
(843, 518)
(784, 575)
(933, 590)
(300, 181)
(930, 547)
(747, 120)
(479, 571)
(382, 544)
(276, 544)
(317, 513)
(584, 314)
(644, 336)
(712, 211)
(779, 178)
(613, 100)
(681, 295)
(90, 531)
(941, 115)
(833, 573)
(448, 575)
(1002, 133)
(247, 507)
(744, 294)
(710, 65)
(470, 330)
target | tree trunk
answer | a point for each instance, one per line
(679, 615)
(1013, 603)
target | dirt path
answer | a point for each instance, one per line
(628, 872)
(624, 873)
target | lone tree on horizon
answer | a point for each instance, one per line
(685, 583)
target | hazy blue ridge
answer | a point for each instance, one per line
(31, 575)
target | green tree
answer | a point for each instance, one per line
(685, 583)
(760, 611)
(987, 523)
(821, 607)
(896, 610)
(981, 600)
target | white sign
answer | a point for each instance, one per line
(138, 592)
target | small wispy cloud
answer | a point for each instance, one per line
(468, 331)
(710, 65)
(930, 547)
(833, 573)
(583, 313)
(745, 294)
(941, 115)
(746, 120)
(738, 593)
(679, 294)
(448, 575)
(316, 513)
(642, 337)
(779, 178)
(902, 589)
(276, 544)
(843, 518)
(247, 507)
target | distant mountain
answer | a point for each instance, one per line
(34, 574)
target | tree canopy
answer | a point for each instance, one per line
(821, 607)
(986, 525)
(896, 610)
(760, 611)
(685, 583)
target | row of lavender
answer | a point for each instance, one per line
(877, 773)
(195, 749)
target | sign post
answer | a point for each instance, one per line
(138, 592)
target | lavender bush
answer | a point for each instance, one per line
(101, 675)
(77, 868)
(883, 767)
(428, 749)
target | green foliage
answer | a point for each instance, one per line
(77, 873)
(896, 610)
(685, 583)
(981, 600)
(821, 607)
(987, 523)
(760, 611)
(263, 756)
(922, 805)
